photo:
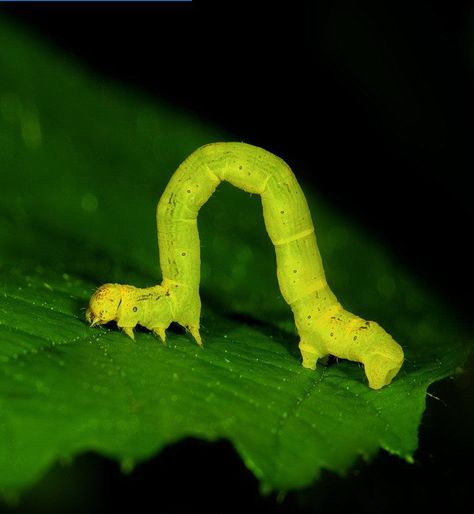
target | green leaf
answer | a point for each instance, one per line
(83, 164)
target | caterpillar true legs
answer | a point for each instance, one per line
(323, 325)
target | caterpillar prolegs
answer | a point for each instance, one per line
(324, 327)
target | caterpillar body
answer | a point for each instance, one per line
(324, 327)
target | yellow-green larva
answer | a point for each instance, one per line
(323, 325)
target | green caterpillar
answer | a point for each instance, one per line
(323, 325)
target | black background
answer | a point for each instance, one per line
(373, 103)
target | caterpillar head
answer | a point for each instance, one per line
(104, 304)
(384, 359)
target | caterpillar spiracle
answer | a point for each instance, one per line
(324, 327)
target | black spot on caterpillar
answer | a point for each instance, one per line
(324, 327)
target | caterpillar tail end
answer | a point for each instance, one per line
(349, 337)
(381, 369)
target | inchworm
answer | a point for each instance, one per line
(324, 327)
